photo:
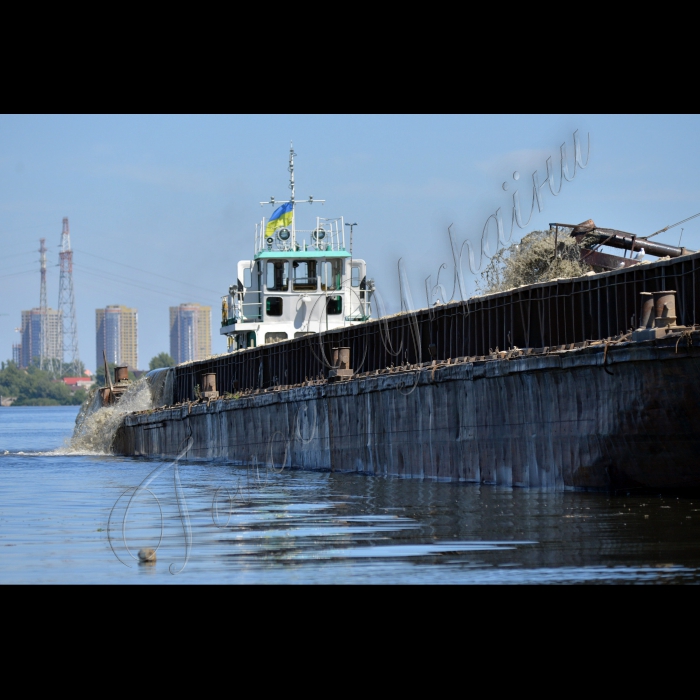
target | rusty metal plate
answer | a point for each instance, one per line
(605, 260)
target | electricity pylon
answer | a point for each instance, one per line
(66, 302)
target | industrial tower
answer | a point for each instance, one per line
(44, 341)
(66, 302)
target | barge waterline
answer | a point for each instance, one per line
(607, 416)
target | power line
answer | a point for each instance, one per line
(125, 280)
(30, 228)
(14, 274)
(148, 272)
(671, 226)
(16, 255)
(19, 267)
(121, 280)
(144, 301)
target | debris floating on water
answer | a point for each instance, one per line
(147, 555)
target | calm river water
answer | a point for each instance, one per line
(64, 519)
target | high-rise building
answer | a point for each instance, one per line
(117, 335)
(17, 353)
(190, 332)
(32, 321)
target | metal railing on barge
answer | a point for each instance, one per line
(556, 313)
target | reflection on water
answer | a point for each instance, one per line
(305, 527)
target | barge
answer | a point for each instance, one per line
(611, 415)
(583, 383)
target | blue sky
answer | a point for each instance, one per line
(174, 199)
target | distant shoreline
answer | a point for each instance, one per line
(63, 405)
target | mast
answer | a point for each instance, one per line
(272, 201)
(291, 187)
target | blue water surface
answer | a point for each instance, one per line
(71, 518)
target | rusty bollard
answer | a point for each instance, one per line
(647, 316)
(209, 386)
(341, 365)
(665, 308)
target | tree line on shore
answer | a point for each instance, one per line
(36, 387)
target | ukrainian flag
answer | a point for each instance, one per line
(281, 217)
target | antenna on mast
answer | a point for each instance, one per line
(291, 187)
(292, 199)
(291, 170)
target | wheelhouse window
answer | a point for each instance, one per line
(277, 276)
(244, 340)
(331, 275)
(275, 337)
(334, 305)
(273, 306)
(304, 276)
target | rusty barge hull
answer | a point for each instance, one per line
(599, 417)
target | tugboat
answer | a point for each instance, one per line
(299, 282)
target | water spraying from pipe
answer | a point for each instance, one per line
(96, 425)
